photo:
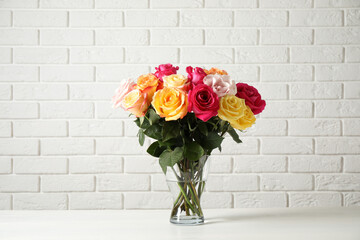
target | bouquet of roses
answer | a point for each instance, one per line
(188, 118)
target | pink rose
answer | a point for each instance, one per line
(136, 102)
(195, 75)
(125, 87)
(252, 97)
(221, 84)
(203, 102)
(165, 70)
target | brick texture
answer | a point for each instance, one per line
(62, 145)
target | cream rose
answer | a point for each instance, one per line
(221, 84)
(177, 81)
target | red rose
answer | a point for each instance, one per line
(195, 75)
(252, 97)
(165, 70)
(203, 102)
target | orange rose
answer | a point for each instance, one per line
(171, 103)
(147, 83)
(160, 85)
(136, 102)
(215, 71)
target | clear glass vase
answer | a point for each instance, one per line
(186, 181)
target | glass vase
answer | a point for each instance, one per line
(186, 181)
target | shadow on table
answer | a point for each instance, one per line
(290, 214)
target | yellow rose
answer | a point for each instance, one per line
(231, 108)
(177, 81)
(215, 71)
(147, 83)
(136, 103)
(171, 103)
(245, 121)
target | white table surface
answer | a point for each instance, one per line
(227, 224)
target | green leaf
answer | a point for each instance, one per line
(170, 130)
(174, 142)
(211, 141)
(137, 121)
(163, 160)
(203, 128)
(141, 120)
(141, 137)
(222, 125)
(170, 158)
(213, 123)
(154, 131)
(155, 149)
(193, 151)
(234, 135)
(177, 155)
(191, 120)
(153, 116)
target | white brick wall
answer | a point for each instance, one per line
(62, 146)
(40, 201)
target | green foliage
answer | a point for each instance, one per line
(171, 157)
(184, 139)
(193, 151)
(142, 122)
(212, 141)
(203, 128)
(170, 130)
(141, 136)
(155, 149)
(153, 116)
(234, 135)
(154, 131)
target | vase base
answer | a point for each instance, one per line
(187, 220)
